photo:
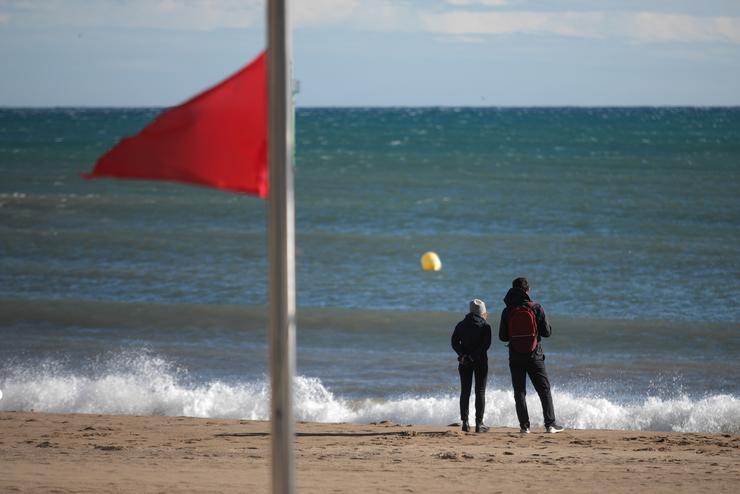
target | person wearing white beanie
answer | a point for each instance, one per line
(471, 340)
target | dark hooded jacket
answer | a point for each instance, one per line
(472, 336)
(514, 298)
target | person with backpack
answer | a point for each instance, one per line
(471, 340)
(523, 325)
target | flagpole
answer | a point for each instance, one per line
(281, 245)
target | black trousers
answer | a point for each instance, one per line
(480, 371)
(535, 368)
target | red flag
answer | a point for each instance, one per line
(218, 139)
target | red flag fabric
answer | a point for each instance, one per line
(217, 139)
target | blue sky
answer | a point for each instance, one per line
(377, 52)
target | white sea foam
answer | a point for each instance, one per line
(147, 385)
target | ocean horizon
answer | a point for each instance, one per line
(300, 107)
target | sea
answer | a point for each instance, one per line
(149, 298)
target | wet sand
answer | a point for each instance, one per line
(42, 452)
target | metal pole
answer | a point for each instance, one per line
(281, 246)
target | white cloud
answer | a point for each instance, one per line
(462, 39)
(567, 24)
(639, 26)
(374, 15)
(648, 26)
(317, 12)
(366, 15)
(204, 15)
(490, 3)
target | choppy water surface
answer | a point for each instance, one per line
(626, 221)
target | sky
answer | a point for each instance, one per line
(377, 52)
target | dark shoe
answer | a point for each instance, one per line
(465, 426)
(554, 428)
(481, 427)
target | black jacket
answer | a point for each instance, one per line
(472, 336)
(516, 297)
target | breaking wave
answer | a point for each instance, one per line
(143, 384)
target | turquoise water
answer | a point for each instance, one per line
(614, 213)
(626, 221)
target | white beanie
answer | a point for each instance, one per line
(477, 306)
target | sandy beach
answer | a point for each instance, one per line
(42, 452)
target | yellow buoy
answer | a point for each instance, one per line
(430, 262)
